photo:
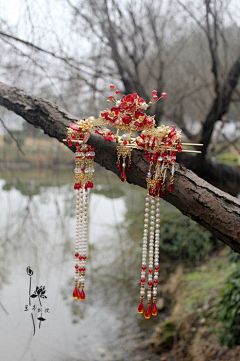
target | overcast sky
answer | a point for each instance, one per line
(51, 20)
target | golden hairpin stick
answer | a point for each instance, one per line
(132, 144)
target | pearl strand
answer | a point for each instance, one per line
(151, 245)
(81, 234)
(77, 236)
(144, 255)
(156, 256)
(144, 248)
(85, 224)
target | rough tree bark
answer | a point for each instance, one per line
(215, 210)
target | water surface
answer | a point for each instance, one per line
(37, 228)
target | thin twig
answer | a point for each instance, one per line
(12, 136)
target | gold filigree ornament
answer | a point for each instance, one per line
(128, 116)
(127, 124)
(79, 133)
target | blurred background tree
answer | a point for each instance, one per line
(190, 49)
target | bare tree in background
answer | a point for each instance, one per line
(190, 49)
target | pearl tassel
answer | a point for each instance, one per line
(83, 182)
(147, 313)
(156, 256)
(83, 251)
(151, 232)
(144, 255)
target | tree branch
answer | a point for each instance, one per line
(220, 105)
(215, 210)
(12, 136)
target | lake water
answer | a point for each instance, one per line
(37, 228)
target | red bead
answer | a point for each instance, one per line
(147, 313)
(155, 282)
(154, 92)
(77, 186)
(83, 169)
(123, 176)
(142, 280)
(112, 86)
(150, 270)
(78, 294)
(111, 97)
(117, 92)
(163, 192)
(155, 97)
(70, 143)
(150, 284)
(82, 294)
(126, 119)
(179, 149)
(76, 255)
(76, 266)
(156, 268)
(75, 293)
(124, 142)
(170, 188)
(164, 95)
(84, 258)
(118, 166)
(154, 309)
(144, 268)
(140, 307)
(73, 136)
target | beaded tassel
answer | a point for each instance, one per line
(156, 256)
(84, 158)
(76, 292)
(124, 153)
(150, 258)
(144, 255)
(151, 231)
(83, 244)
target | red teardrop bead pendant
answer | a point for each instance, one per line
(75, 293)
(82, 294)
(140, 307)
(123, 176)
(78, 294)
(147, 313)
(154, 309)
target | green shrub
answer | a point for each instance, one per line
(182, 238)
(228, 158)
(230, 309)
(233, 257)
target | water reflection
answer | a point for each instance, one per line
(37, 228)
